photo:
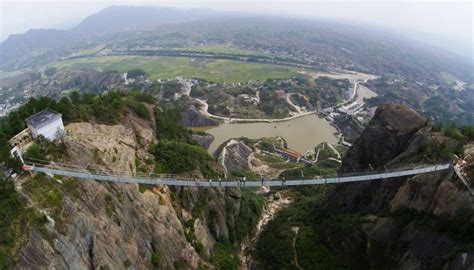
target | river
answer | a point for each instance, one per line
(301, 134)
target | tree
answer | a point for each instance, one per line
(135, 73)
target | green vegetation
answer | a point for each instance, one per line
(251, 206)
(171, 67)
(249, 175)
(200, 203)
(272, 104)
(312, 254)
(155, 260)
(278, 162)
(168, 125)
(443, 151)
(224, 257)
(176, 152)
(43, 149)
(46, 192)
(325, 151)
(459, 227)
(127, 263)
(155, 257)
(274, 247)
(50, 71)
(135, 73)
(453, 142)
(181, 264)
(15, 219)
(442, 103)
(106, 109)
(332, 237)
(328, 91)
(462, 133)
(322, 92)
(243, 100)
(308, 171)
(178, 157)
(109, 205)
(139, 109)
(223, 49)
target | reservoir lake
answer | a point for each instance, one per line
(301, 134)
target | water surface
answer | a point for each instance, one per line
(302, 133)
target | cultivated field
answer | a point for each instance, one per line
(169, 67)
(223, 49)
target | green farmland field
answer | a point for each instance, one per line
(169, 67)
(223, 49)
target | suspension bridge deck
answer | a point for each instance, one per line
(174, 181)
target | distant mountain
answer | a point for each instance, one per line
(119, 18)
(108, 20)
(34, 40)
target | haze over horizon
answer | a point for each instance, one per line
(444, 24)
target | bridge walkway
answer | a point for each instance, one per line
(172, 180)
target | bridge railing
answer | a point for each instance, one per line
(166, 179)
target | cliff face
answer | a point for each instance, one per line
(117, 226)
(387, 135)
(236, 156)
(411, 221)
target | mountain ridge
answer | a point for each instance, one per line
(106, 21)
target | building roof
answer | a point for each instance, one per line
(42, 118)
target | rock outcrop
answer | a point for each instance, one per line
(387, 135)
(235, 156)
(111, 225)
(203, 140)
(398, 206)
(193, 118)
(118, 226)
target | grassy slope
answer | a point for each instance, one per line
(170, 67)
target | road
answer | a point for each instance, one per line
(204, 111)
(296, 107)
(352, 76)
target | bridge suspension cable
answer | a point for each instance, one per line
(173, 180)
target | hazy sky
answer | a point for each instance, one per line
(445, 21)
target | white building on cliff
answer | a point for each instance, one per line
(47, 123)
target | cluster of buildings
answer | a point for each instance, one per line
(249, 99)
(186, 86)
(356, 109)
(7, 107)
(351, 108)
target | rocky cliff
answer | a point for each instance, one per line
(412, 223)
(116, 226)
(236, 156)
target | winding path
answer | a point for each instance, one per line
(204, 111)
(288, 100)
